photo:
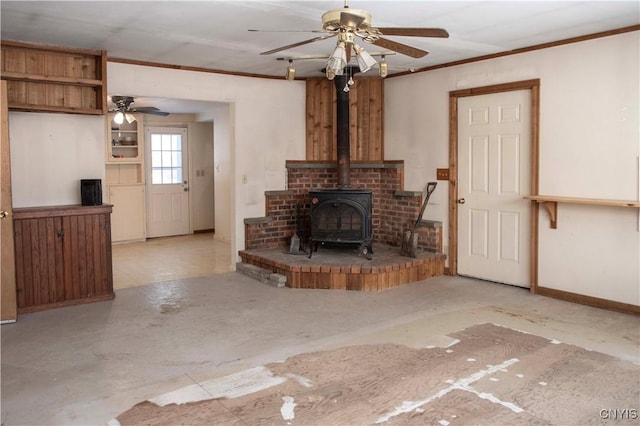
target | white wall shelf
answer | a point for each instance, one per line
(550, 203)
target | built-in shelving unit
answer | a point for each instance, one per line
(45, 78)
(124, 144)
(126, 179)
(550, 203)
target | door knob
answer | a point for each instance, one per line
(461, 201)
(3, 214)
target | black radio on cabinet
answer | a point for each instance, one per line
(91, 192)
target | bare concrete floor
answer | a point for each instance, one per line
(86, 364)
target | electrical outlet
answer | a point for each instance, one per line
(442, 174)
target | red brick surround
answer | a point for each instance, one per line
(394, 210)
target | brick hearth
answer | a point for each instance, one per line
(344, 269)
(394, 211)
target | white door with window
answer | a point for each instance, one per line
(167, 181)
(493, 176)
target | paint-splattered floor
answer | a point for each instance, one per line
(488, 375)
(88, 364)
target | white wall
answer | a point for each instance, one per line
(589, 147)
(50, 153)
(201, 171)
(266, 127)
(224, 185)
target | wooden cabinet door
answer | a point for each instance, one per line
(87, 263)
(39, 262)
(129, 214)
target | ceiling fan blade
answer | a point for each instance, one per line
(150, 110)
(400, 48)
(414, 32)
(350, 20)
(300, 43)
(286, 31)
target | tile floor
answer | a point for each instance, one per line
(172, 258)
(85, 364)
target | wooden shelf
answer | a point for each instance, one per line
(550, 203)
(46, 78)
(43, 108)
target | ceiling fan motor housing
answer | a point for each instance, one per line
(122, 101)
(334, 20)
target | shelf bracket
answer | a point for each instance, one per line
(552, 208)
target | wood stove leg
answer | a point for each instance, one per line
(313, 246)
(365, 248)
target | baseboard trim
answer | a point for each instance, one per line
(611, 305)
(205, 231)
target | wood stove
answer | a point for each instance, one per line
(341, 216)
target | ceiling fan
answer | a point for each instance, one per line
(124, 110)
(349, 25)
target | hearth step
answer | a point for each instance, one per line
(266, 276)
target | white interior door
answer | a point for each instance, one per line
(167, 181)
(493, 176)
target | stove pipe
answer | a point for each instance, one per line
(343, 146)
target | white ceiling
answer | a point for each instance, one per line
(214, 34)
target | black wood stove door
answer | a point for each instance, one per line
(341, 216)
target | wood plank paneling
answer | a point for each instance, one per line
(54, 79)
(365, 114)
(63, 256)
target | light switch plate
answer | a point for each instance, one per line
(442, 174)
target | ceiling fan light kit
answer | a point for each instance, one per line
(365, 60)
(338, 59)
(348, 24)
(120, 117)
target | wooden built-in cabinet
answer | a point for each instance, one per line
(44, 78)
(63, 256)
(125, 179)
(129, 213)
(366, 101)
(125, 141)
